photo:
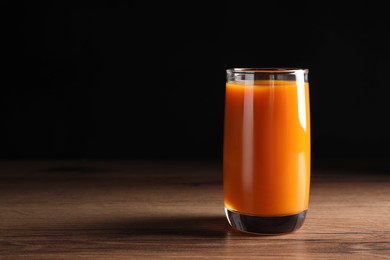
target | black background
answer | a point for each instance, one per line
(145, 80)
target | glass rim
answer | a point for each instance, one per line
(275, 70)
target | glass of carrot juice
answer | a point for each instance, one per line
(266, 149)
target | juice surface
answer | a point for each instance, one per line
(266, 162)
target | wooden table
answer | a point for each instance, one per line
(174, 210)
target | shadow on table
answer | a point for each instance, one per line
(181, 226)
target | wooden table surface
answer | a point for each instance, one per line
(174, 210)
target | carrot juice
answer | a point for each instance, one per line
(266, 163)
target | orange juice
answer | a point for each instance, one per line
(266, 162)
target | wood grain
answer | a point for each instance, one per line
(174, 210)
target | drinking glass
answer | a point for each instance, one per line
(266, 149)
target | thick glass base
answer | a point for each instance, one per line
(265, 225)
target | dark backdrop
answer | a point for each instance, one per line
(141, 79)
